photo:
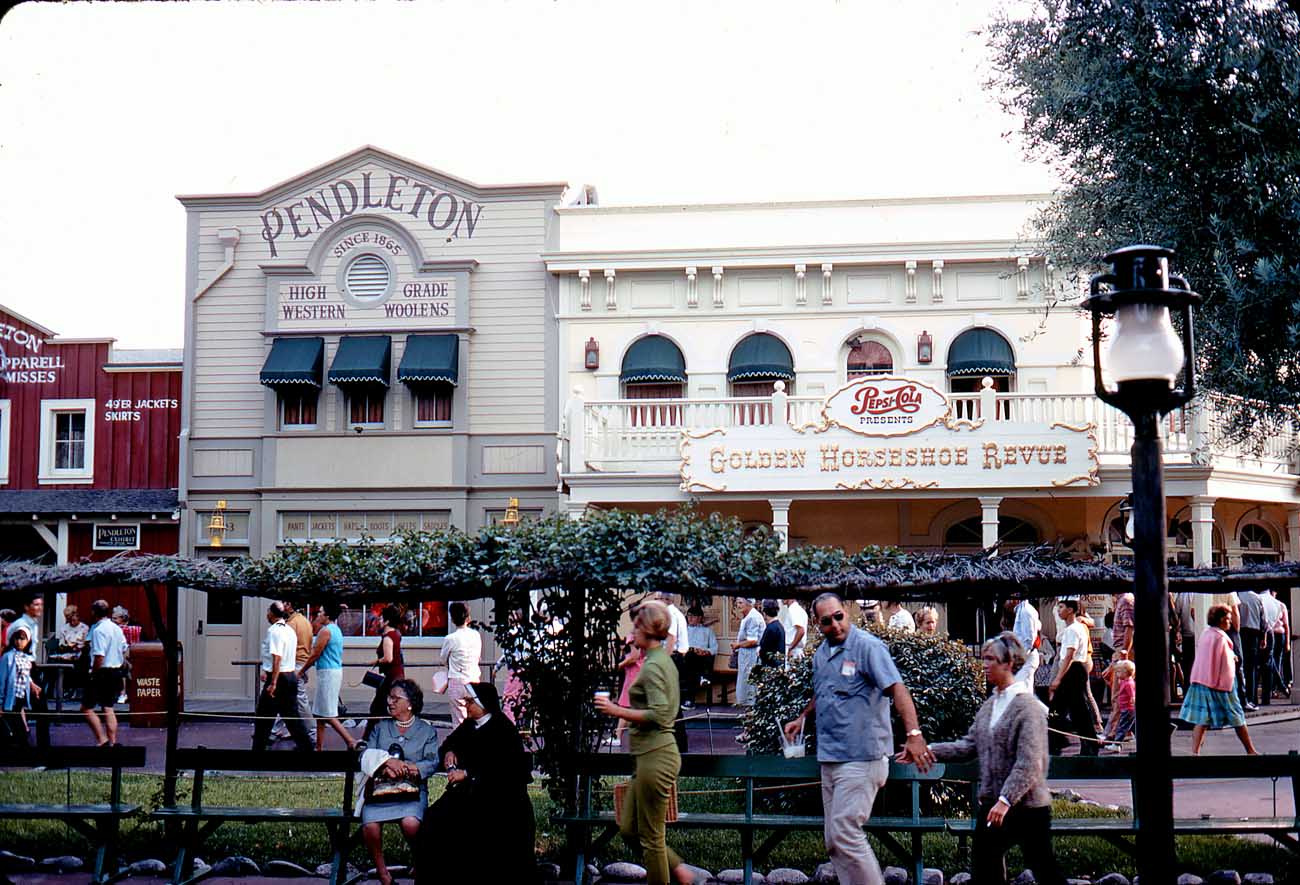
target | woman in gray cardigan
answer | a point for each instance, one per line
(1009, 736)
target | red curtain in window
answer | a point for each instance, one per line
(869, 358)
(433, 403)
(757, 412)
(366, 407)
(652, 415)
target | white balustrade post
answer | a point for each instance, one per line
(781, 520)
(779, 397)
(988, 400)
(575, 424)
(1198, 430)
(1202, 531)
(989, 521)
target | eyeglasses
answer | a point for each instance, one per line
(826, 621)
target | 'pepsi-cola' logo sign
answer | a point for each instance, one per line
(886, 406)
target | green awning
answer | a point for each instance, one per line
(980, 352)
(761, 357)
(294, 361)
(654, 358)
(430, 358)
(362, 359)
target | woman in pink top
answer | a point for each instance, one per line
(1212, 701)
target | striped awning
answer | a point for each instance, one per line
(761, 357)
(979, 352)
(430, 358)
(294, 361)
(362, 359)
(654, 358)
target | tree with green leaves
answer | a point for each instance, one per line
(1175, 122)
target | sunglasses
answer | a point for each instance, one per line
(826, 621)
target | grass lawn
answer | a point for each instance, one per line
(307, 845)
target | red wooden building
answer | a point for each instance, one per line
(89, 454)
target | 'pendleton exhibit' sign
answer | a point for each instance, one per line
(888, 433)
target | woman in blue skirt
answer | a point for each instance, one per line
(1211, 700)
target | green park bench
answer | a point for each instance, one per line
(752, 771)
(199, 820)
(100, 823)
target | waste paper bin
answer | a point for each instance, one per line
(146, 695)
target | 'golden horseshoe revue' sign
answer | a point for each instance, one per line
(887, 433)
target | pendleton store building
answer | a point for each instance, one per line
(869, 372)
(367, 348)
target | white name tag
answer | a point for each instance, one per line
(849, 669)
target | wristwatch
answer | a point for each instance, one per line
(915, 732)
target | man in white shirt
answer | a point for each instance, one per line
(678, 647)
(1069, 686)
(107, 644)
(1270, 617)
(795, 622)
(461, 651)
(279, 694)
(1028, 629)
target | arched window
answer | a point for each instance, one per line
(868, 358)
(654, 368)
(1258, 544)
(1181, 543)
(1012, 532)
(757, 363)
(974, 355)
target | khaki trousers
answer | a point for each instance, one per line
(645, 808)
(848, 792)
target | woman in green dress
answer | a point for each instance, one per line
(655, 700)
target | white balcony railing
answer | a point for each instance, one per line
(642, 436)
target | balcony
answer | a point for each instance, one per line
(643, 436)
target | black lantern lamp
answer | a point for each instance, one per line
(1144, 359)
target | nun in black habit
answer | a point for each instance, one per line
(485, 815)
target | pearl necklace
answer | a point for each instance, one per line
(406, 724)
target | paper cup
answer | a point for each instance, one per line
(602, 694)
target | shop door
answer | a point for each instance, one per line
(216, 639)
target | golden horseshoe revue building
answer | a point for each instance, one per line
(376, 345)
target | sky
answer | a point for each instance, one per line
(108, 111)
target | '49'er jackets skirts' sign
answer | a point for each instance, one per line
(888, 433)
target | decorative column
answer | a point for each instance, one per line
(937, 268)
(989, 521)
(1293, 534)
(1202, 531)
(826, 283)
(781, 520)
(584, 289)
(800, 285)
(611, 300)
(1022, 279)
(909, 285)
(692, 293)
(718, 300)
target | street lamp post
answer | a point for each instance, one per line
(1144, 360)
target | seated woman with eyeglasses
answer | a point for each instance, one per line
(398, 789)
(488, 772)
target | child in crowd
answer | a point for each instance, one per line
(16, 687)
(1123, 714)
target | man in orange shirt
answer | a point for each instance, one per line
(301, 627)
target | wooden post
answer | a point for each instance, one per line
(167, 632)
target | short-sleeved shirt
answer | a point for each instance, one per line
(107, 639)
(1123, 621)
(793, 616)
(1028, 625)
(849, 683)
(1126, 695)
(1252, 610)
(679, 630)
(280, 640)
(1270, 618)
(301, 628)
(771, 645)
(903, 620)
(461, 652)
(1075, 636)
(35, 647)
(703, 638)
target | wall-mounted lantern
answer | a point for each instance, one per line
(591, 356)
(511, 519)
(217, 525)
(924, 347)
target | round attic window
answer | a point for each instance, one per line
(367, 278)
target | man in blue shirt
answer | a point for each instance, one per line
(854, 679)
